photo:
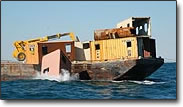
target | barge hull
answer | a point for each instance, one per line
(118, 70)
(142, 69)
(137, 69)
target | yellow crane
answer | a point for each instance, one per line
(19, 52)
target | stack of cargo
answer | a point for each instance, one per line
(105, 34)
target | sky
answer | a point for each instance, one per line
(23, 20)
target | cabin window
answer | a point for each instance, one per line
(97, 46)
(44, 50)
(128, 25)
(129, 44)
(137, 30)
(116, 35)
(145, 26)
(141, 31)
(31, 47)
(140, 27)
(46, 70)
(68, 48)
(86, 46)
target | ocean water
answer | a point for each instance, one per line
(160, 85)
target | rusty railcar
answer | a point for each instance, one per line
(114, 33)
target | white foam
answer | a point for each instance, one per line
(144, 82)
(64, 76)
(119, 81)
(147, 82)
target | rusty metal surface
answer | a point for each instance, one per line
(149, 48)
(78, 67)
(107, 70)
(136, 69)
(114, 33)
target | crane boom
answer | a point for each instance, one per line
(19, 52)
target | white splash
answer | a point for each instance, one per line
(147, 82)
(144, 82)
(119, 81)
(64, 76)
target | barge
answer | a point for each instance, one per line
(127, 52)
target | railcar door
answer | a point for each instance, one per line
(97, 51)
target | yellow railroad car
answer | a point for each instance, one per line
(111, 49)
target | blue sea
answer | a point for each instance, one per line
(160, 85)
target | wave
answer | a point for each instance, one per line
(146, 82)
(64, 76)
(120, 81)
